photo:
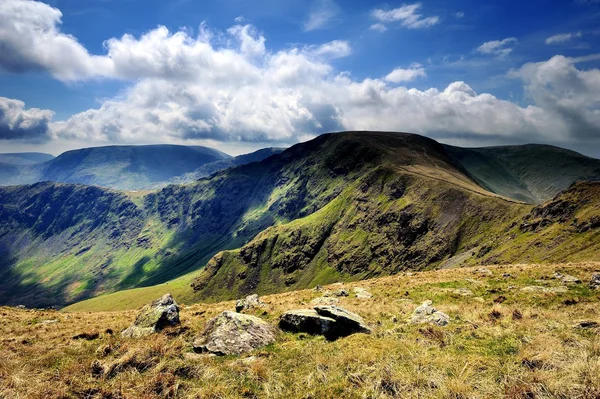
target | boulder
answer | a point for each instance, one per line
(154, 317)
(331, 321)
(428, 314)
(250, 302)
(362, 293)
(595, 281)
(484, 271)
(565, 278)
(232, 333)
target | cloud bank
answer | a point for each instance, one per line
(229, 87)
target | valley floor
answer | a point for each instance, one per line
(515, 332)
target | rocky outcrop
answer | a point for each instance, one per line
(233, 333)
(331, 321)
(250, 302)
(566, 278)
(428, 314)
(154, 317)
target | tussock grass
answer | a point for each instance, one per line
(525, 346)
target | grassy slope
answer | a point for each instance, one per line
(531, 173)
(501, 342)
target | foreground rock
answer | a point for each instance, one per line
(553, 290)
(595, 281)
(250, 302)
(428, 314)
(153, 317)
(331, 321)
(233, 333)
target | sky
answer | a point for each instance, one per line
(239, 75)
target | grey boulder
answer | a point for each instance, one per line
(428, 314)
(232, 333)
(154, 317)
(250, 302)
(595, 281)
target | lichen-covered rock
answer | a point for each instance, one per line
(154, 317)
(428, 314)
(595, 281)
(233, 333)
(250, 302)
(566, 278)
(331, 321)
(340, 292)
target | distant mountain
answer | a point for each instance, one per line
(118, 167)
(210, 168)
(24, 158)
(343, 206)
(531, 173)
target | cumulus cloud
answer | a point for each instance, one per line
(227, 86)
(562, 38)
(322, 14)
(568, 93)
(408, 15)
(500, 48)
(18, 123)
(406, 75)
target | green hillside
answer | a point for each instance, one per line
(530, 173)
(340, 207)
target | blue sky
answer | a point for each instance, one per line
(294, 69)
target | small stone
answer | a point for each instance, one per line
(565, 278)
(587, 324)
(324, 301)
(250, 302)
(339, 293)
(318, 288)
(362, 293)
(537, 288)
(233, 333)
(462, 291)
(154, 317)
(595, 281)
(53, 321)
(484, 271)
(507, 275)
(428, 314)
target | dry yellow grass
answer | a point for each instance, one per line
(501, 342)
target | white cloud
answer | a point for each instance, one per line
(322, 14)
(562, 38)
(500, 48)
(333, 49)
(567, 93)
(18, 123)
(228, 87)
(406, 75)
(378, 27)
(459, 15)
(408, 15)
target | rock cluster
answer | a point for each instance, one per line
(333, 322)
(154, 317)
(428, 314)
